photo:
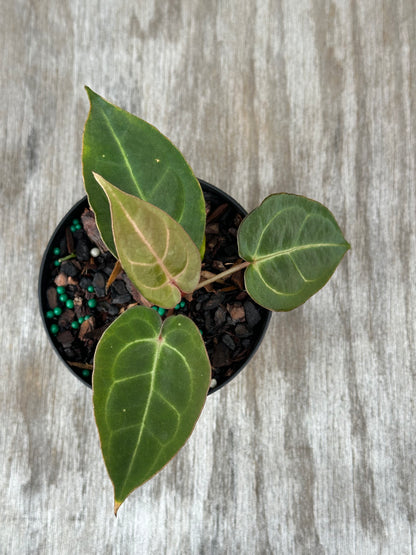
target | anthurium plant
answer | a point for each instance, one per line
(151, 376)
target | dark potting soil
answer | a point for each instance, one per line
(80, 307)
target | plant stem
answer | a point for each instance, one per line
(224, 274)
(67, 257)
(116, 270)
(81, 365)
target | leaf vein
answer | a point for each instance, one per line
(299, 271)
(281, 293)
(145, 413)
(268, 225)
(161, 178)
(169, 404)
(121, 428)
(182, 357)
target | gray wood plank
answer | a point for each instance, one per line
(312, 448)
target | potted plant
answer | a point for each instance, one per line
(151, 370)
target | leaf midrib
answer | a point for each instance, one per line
(159, 260)
(130, 169)
(124, 155)
(288, 252)
(159, 344)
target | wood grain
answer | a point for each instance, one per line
(312, 448)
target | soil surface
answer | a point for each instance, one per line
(80, 305)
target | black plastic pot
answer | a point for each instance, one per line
(210, 192)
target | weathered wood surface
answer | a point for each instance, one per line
(312, 449)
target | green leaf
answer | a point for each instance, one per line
(154, 250)
(133, 154)
(150, 383)
(294, 245)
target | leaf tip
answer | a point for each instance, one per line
(117, 505)
(100, 180)
(90, 92)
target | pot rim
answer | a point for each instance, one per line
(47, 257)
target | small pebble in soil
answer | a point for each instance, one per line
(85, 283)
(94, 252)
(66, 318)
(253, 315)
(113, 310)
(99, 282)
(65, 338)
(221, 356)
(125, 298)
(242, 331)
(220, 316)
(69, 269)
(227, 340)
(52, 297)
(213, 383)
(82, 250)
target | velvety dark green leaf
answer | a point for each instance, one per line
(139, 160)
(154, 250)
(294, 245)
(150, 383)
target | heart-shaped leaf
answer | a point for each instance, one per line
(154, 250)
(132, 153)
(150, 383)
(294, 245)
